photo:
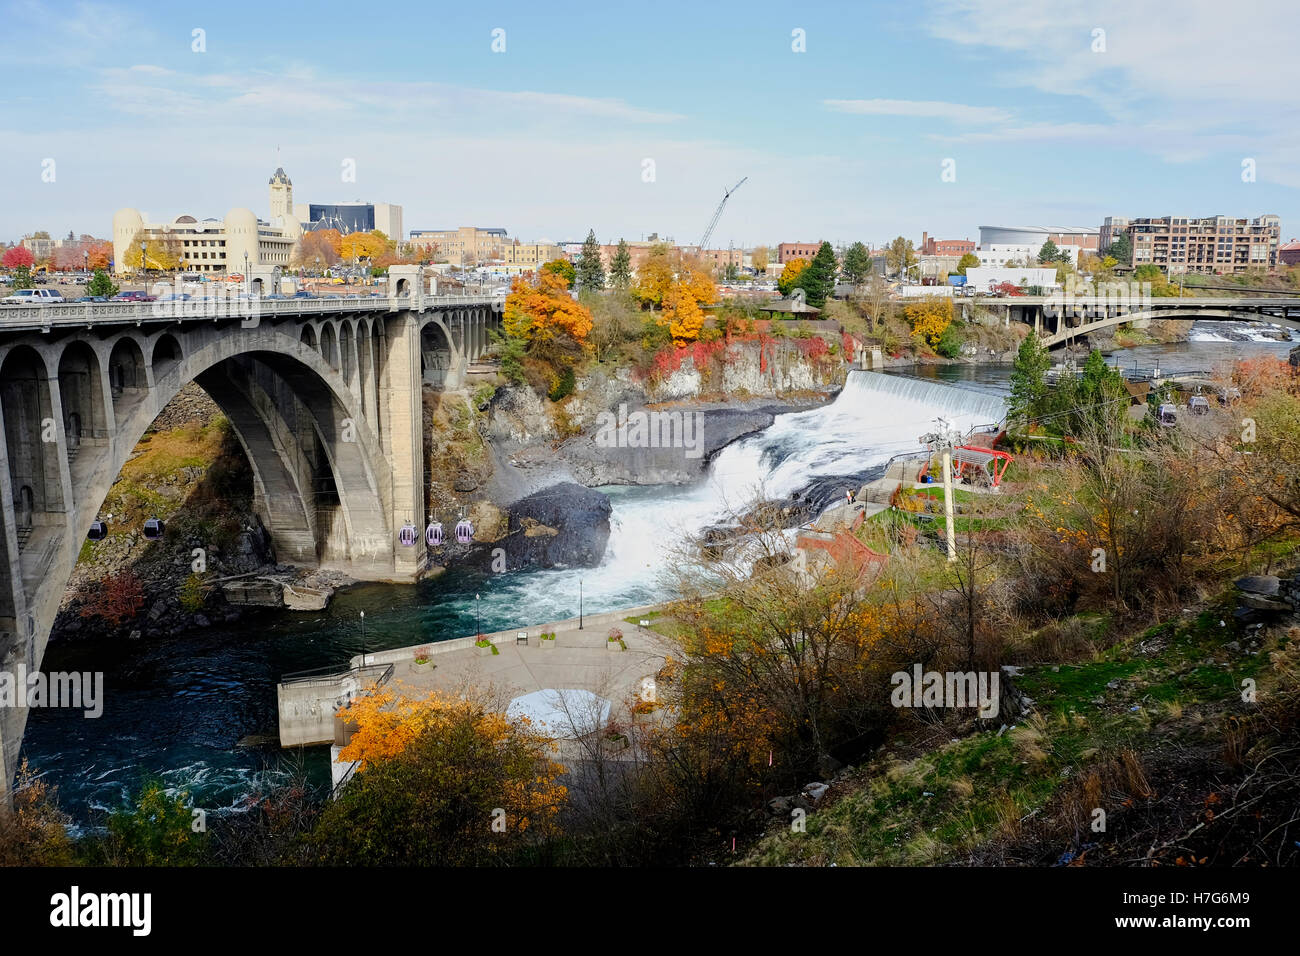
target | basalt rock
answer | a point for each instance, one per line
(561, 526)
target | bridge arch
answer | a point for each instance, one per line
(437, 355)
(127, 379)
(1173, 314)
(166, 355)
(308, 337)
(329, 345)
(81, 392)
(31, 449)
(347, 353)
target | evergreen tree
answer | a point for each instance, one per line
(967, 261)
(1028, 387)
(857, 263)
(1048, 253)
(1121, 249)
(101, 284)
(818, 280)
(620, 269)
(589, 271)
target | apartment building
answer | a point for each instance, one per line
(518, 257)
(1213, 245)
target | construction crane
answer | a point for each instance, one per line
(717, 214)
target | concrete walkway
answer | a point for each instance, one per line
(576, 659)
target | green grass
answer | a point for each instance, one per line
(935, 808)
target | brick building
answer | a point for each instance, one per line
(789, 251)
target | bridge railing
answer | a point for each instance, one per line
(78, 313)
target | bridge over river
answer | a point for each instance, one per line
(323, 394)
(1061, 319)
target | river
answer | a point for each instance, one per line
(179, 708)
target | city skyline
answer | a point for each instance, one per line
(845, 141)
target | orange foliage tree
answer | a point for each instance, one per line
(441, 781)
(540, 310)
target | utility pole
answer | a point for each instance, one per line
(943, 441)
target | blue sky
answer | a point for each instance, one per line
(1044, 119)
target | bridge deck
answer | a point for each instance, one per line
(26, 318)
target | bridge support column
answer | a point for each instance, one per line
(402, 398)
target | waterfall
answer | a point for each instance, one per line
(874, 417)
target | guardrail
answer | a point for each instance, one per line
(77, 313)
(331, 674)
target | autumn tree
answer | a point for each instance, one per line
(117, 599)
(441, 781)
(163, 253)
(968, 261)
(758, 259)
(365, 245)
(929, 317)
(562, 268)
(543, 333)
(589, 271)
(620, 269)
(900, 256)
(316, 250)
(16, 257)
(655, 275)
(788, 280)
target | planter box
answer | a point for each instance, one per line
(484, 651)
(616, 745)
(614, 645)
(548, 645)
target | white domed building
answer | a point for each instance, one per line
(219, 246)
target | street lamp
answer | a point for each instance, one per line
(478, 619)
(144, 282)
(363, 638)
(580, 604)
(85, 262)
(247, 287)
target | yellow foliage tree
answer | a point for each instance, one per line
(365, 245)
(160, 253)
(929, 317)
(791, 272)
(655, 275)
(691, 289)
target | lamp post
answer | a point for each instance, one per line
(85, 264)
(478, 618)
(944, 440)
(144, 284)
(247, 287)
(580, 604)
(363, 638)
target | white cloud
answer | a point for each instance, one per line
(926, 109)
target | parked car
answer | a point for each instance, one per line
(93, 298)
(303, 294)
(174, 297)
(133, 295)
(33, 297)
